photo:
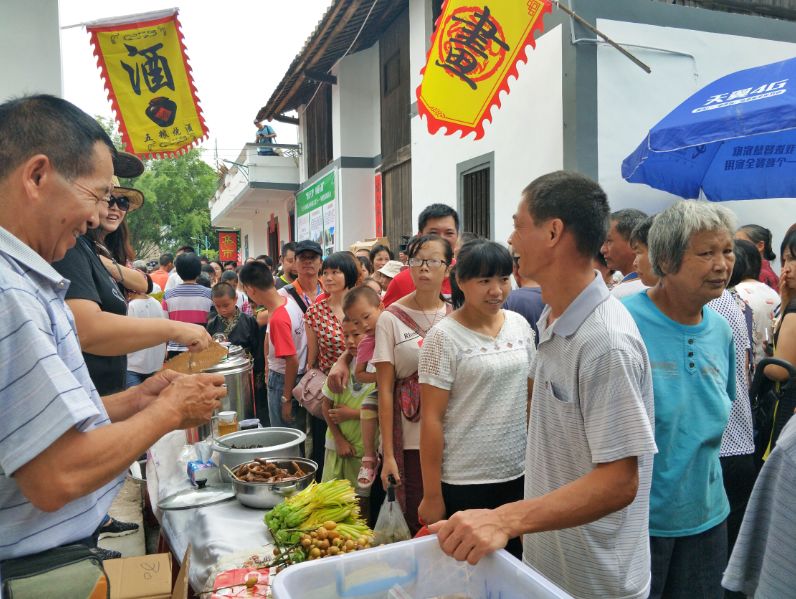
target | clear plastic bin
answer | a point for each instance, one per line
(416, 569)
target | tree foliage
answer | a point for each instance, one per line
(175, 212)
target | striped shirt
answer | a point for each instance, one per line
(45, 390)
(592, 404)
(762, 563)
(187, 302)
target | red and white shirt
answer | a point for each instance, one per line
(287, 337)
(187, 302)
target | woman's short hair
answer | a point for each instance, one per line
(374, 251)
(672, 230)
(640, 233)
(346, 264)
(749, 258)
(229, 276)
(483, 258)
(366, 263)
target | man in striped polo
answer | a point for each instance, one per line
(590, 438)
(63, 449)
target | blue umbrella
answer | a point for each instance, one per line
(734, 139)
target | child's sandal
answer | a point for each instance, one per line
(367, 474)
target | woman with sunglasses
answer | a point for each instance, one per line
(112, 241)
(98, 277)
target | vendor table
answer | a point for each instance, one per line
(222, 536)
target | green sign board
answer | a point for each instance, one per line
(316, 213)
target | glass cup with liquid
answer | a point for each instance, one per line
(227, 422)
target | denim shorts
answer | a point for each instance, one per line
(276, 389)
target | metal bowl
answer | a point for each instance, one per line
(275, 441)
(268, 495)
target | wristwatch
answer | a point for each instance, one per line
(286, 399)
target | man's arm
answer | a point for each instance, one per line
(105, 334)
(291, 372)
(78, 463)
(609, 487)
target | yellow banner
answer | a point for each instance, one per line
(149, 84)
(475, 49)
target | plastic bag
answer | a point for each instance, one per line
(391, 525)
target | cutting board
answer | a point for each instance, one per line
(195, 362)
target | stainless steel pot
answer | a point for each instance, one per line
(268, 495)
(237, 371)
(274, 441)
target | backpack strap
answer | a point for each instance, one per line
(294, 294)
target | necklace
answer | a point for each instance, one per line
(429, 321)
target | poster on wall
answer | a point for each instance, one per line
(316, 213)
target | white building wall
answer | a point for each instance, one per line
(631, 101)
(356, 117)
(356, 134)
(526, 133)
(30, 48)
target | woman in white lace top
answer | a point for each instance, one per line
(473, 373)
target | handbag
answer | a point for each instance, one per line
(309, 391)
(67, 571)
(407, 390)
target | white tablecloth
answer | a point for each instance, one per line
(222, 536)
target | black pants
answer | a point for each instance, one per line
(318, 431)
(485, 497)
(739, 474)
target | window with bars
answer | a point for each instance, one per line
(476, 201)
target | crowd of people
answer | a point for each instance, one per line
(581, 395)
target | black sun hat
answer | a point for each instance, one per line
(126, 165)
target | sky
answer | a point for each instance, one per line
(239, 50)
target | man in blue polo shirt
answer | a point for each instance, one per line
(63, 449)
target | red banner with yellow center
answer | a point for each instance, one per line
(149, 82)
(474, 50)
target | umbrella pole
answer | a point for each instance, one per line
(596, 31)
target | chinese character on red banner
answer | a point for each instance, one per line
(228, 246)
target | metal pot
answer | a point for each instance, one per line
(237, 371)
(268, 495)
(275, 442)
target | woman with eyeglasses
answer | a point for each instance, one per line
(473, 374)
(98, 275)
(400, 331)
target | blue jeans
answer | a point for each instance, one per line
(276, 389)
(689, 567)
(134, 378)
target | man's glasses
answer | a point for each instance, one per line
(430, 262)
(121, 201)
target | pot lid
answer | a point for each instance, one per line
(229, 363)
(197, 497)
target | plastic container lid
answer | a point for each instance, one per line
(249, 423)
(228, 416)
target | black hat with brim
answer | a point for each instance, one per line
(127, 165)
(308, 245)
